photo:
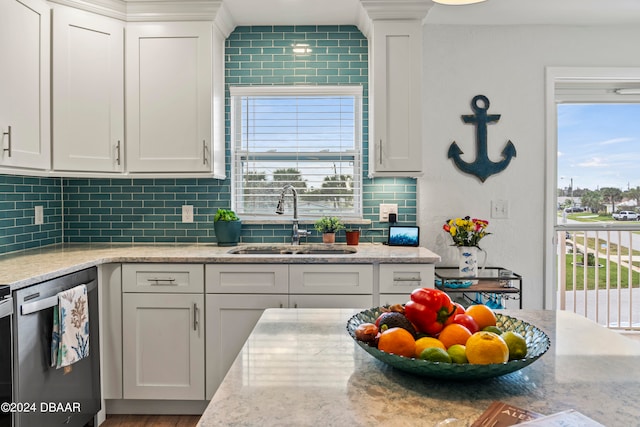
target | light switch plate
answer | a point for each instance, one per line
(499, 209)
(187, 213)
(39, 215)
(386, 209)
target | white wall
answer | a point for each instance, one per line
(506, 64)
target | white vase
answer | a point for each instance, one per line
(468, 261)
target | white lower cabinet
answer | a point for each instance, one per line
(163, 332)
(163, 343)
(237, 294)
(230, 320)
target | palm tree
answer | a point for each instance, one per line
(611, 195)
(592, 200)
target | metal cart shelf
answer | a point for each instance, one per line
(489, 281)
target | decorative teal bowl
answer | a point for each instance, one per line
(537, 344)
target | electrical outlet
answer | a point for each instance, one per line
(386, 209)
(187, 213)
(39, 215)
(499, 209)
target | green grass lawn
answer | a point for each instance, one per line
(602, 275)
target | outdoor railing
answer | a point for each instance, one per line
(599, 272)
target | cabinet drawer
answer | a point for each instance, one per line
(165, 278)
(331, 279)
(404, 278)
(247, 278)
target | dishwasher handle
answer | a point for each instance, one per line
(6, 307)
(44, 303)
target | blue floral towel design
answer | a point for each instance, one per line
(70, 336)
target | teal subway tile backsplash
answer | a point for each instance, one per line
(149, 210)
(19, 195)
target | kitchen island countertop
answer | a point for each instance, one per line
(36, 265)
(300, 367)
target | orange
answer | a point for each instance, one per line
(427, 342)
(482, 314)
(397, 341)
(486, 347)
(454, 334)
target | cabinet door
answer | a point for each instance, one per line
(168, 97)
(88, 92)
(331, 279)
(230, 320)
(163, 346)
(25, 84)
(396, 138)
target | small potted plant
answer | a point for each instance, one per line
(353, 236)
(328, 226)
(227, 227)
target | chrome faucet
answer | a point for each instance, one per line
(295, 236)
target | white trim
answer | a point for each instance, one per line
(294, 90)
(555, 76)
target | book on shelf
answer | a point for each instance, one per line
(502, 414)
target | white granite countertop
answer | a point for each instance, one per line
(37, 265)
(300, 367)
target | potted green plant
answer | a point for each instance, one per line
(328, 226)
(353, 236)
(227, 227)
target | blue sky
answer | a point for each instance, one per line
(599, 145)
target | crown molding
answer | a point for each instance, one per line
(149, 10)
(112, 8)
(396, 9)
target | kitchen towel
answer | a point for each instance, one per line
(70, 336)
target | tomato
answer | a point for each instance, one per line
(467, 321)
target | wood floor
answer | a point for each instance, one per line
(151, 421)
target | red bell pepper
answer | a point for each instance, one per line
(429, 309)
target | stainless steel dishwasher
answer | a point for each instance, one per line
(70, 399)
(6, 310)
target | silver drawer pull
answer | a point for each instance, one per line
(160, 281)
(196, 315)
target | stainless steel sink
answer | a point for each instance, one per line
(293, 250)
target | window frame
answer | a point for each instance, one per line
(356, 91)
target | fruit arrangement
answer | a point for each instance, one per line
(431, 327)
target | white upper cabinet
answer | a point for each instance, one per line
(25, 84)
(88, 92)
(395, 143)
(169, 96)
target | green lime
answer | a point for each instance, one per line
(493, 329)
(435, 354)
(458, 353)
(516, 343)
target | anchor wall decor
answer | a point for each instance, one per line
(482, 166)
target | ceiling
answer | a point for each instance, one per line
(490, 12)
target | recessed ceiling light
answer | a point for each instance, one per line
(457, 2)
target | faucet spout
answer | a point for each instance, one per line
(296, 232)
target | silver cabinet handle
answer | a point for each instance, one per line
(380, 152)
(161, 281)
(118, 153)
(204, 152)
(196, 315)
(8, 133)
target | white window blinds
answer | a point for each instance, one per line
(309, 137)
